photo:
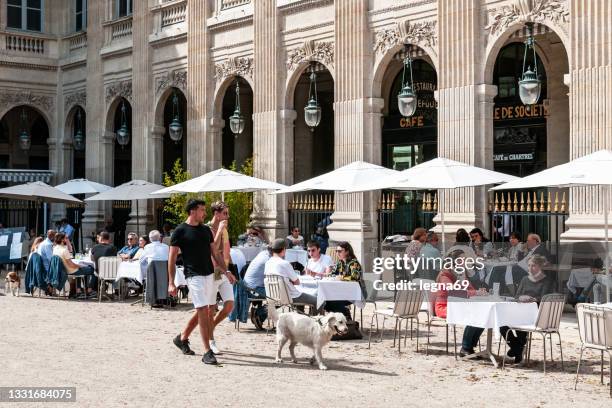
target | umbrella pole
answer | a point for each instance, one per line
(607, 264)
(137, 219)
(440, 201)
(37, 210)
(223, 196)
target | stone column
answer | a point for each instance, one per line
(199, 85)
(269, 151)
(355, 115)
(465, 110)
(214, 144)
(590, 101)
(99, 143)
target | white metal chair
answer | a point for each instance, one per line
(278, 295)
(108, 267)
(372, 298)
(428, 308)
(547, 323)
(595, 328)
(407, 306)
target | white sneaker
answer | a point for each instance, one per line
(213, 347)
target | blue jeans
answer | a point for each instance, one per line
(89, 272)
(470, 337)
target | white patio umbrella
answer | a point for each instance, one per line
(132, 190)
(440, 173)
(39, 192)
(591, 169)
(221, 181)
(82, 186)
(342, 178)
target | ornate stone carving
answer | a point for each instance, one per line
(321, 51)
(234, 66)
(423, 33)
(123, 89)
(524, 11)
(177, 79)
(75, 98)
(10, 99)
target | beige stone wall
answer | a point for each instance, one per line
(199, 48)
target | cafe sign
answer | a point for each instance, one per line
(521, 112)
(510, 157)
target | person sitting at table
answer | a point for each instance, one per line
(462, 237)
(481, 245)
(319, 264)
(534, 247)
(45, 249)
(66, 228)
(531, 289)
(516, 249)
(448, 277)
(585, 284)
(37, 241)
(277, 265)
(430, 267)
(295, 239)
(61, 249)
(154, 251)
(128, 251)
(253, 280)
(143, 241)
(102, 248)
(254, 236)
(419, 236)
(347, 268)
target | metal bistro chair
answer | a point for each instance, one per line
(407, 306)
(108, 267)
(278, 295)
(547, 324)
(428, 308)
(595, 328)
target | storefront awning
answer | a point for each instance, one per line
(25, 175)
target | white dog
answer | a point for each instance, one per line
(313, 332)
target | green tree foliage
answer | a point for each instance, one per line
(240, 204)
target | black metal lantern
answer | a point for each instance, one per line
(237, 120)
(312, 110)
(530, 85)
(407, 99)
(123, 133)
(25, 141)
(175, 129)
(79, 139)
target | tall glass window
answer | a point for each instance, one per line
(24, 14)
(80, 15)
(124, 8)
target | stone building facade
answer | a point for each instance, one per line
(140, 54)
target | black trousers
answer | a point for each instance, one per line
(339, 306)
(516, 343)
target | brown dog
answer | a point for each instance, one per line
(13, 283)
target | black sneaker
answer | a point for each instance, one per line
(209, 358)
(463, 352)
(183, 345)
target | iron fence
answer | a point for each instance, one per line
(22, 213)
(393, 219)
(308, 211)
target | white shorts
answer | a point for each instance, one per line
(203, 290)
(225, 289)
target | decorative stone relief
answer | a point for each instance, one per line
(524, 11)
(75, 98)
(423, 33)
(177, 79)
(321, 51)
(234, 66)
(43, 102)
(123, 89)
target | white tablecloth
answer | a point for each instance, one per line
(326, 290)
(84, 262)
(249, 252)
(485, 312)
(238, 258)
(132, 270)
(297, 255)
(489, 265)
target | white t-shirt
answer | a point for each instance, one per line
(278, 266)
(319, 265)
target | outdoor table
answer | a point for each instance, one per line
(297, 255)
(249, 252)
(490, 313)
(84, 262)
(132, 270)
(331, 289)
(491, 265)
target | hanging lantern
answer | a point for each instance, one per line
(407, 99)
(237, 120)
(312, 110)
(79, 139)
(25, 141)
(530, 85)
(175, 129)
(123, 133)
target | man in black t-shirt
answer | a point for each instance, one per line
(102, 248)
(195, 241)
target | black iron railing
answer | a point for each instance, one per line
(394, 218)
(308, 211)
